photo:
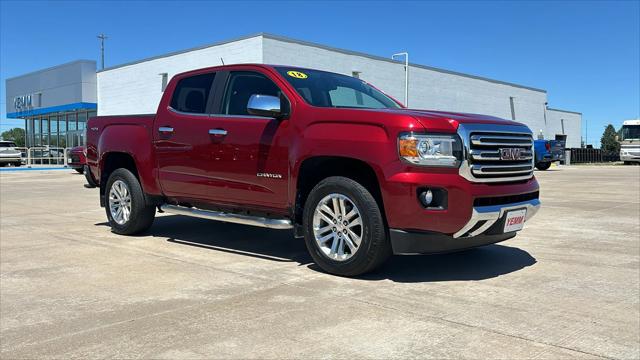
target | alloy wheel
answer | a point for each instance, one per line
(120, 202)
(337, 227)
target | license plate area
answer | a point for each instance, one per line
(514, 220)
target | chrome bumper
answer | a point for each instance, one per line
(488, 215)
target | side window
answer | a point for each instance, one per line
(191, 94)
(243, 84)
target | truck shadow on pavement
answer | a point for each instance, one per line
(279, 245)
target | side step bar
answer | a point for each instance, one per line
(229, 217)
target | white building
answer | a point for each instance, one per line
(137, 87)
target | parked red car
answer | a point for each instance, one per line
(77, 159)
(344, 165)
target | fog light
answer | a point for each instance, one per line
(426, 197)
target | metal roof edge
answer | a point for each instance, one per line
(380, 58)
(181, 51)
(566, 111)
(50, 68)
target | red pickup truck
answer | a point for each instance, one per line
(345, 166)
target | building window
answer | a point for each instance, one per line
(513, 108)
(165, 80)
(53, 122)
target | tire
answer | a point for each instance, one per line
(374, 247)
(87, 175)
(543, 165)
(79, 170)
(140, 216)
(17, 164)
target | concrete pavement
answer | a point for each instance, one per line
(566, 287)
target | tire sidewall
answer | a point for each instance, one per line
(369, 213)
(543, 166)
(137, 200)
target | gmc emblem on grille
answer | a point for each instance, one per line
(510, 154)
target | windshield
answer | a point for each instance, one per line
(325, 89)
(7, 144)
(630, 132)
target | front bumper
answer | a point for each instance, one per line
(629, 158)
(8, 159)
(484, 217)
(485, 227)
(413, 242)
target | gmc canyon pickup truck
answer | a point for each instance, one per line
(345, 166)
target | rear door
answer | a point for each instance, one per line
(184, 149)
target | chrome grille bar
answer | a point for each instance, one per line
(490, 149)
(500, 169)
(500, 140)
(494, 155)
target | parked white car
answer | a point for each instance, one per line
(9, 154)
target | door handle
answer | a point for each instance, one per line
(165, 129)
(218, 132)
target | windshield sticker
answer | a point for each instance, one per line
(297, 74)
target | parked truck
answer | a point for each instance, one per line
(76, 159)
(547, 152)
(9, 155)
(345, 166)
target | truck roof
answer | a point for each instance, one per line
(631, 122)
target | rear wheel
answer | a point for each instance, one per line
(344, 229)
(543, 165)
(17, 164)
(126, 207)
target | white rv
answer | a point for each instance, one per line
(630, 141)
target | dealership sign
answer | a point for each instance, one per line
(23, 102)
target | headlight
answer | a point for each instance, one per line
(430, 150)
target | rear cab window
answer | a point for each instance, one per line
(191, 94)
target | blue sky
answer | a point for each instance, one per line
(586, 54)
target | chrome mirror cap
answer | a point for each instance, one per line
(264, 105)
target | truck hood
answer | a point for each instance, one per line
(443, 119)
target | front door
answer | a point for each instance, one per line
(250, 159)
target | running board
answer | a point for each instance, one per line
(280, 223)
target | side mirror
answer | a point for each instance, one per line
(264, 105)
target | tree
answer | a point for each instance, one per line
(608, 141)
(16, 135)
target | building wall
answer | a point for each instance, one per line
(64, 84)
(572, 126)
(137, 88)
(428, 88)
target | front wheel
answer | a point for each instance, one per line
(126, 207)
(344, 229)
(543, 165)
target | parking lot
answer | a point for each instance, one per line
(566, 287)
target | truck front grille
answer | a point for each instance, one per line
(497, 153)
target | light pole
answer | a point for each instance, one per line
(102, 38)
(406, 75)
